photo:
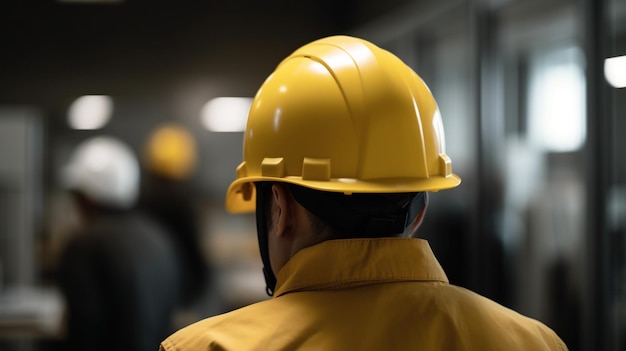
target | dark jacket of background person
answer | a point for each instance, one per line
(120, 280)
(169, 203)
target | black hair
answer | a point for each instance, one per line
(360, 215)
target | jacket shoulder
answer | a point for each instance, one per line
(481, 314)
(235, 330)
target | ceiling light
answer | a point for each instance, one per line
(615, 71)
(90, 112)
(226, 114)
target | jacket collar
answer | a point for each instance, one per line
(334, 264)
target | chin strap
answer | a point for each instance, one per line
(262, 190)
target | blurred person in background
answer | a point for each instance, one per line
(342, 145)
(118, 274)
(169, 160)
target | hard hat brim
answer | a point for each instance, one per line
(241, 197)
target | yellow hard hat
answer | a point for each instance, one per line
(341, 114)
(171, 151)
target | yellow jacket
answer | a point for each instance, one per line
(367, 294)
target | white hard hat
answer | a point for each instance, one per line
(105, 170)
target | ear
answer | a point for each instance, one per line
(282, 208)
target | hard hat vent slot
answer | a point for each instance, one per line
(445, 165)
(242, 170)
(273, 167)
(316, 168)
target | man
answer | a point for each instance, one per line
(118, 272)
(343, 143)
(170, 158)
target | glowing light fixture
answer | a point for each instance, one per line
(557, 100)
(226, 114)
(90, 112)
(615, 71)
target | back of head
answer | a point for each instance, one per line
(105, 170)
